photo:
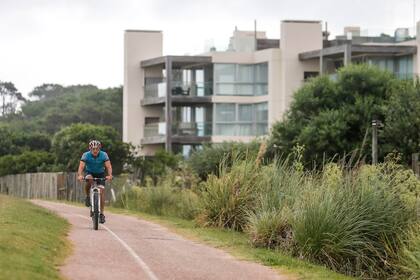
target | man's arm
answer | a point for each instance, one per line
(82, 165)
(108, 167)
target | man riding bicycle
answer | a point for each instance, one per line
(93, 164)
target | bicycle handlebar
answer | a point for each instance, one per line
(102, 179)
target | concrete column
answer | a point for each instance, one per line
(321, 62)
(347, 54)
(168, 104)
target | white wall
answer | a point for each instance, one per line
(297, 37)
(138, 46)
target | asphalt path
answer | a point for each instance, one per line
(127, 247)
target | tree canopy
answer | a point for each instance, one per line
(9, 98)
(71, 142)
(333, 118)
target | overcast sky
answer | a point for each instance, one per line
(81, 41)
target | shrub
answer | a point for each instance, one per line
(207, 161)
(270, 224)
(410, 253)
(69, 143)
(226, 200)
(163, 199)
(353, 229)
(271, 229)
(156, 166)
(27, 162)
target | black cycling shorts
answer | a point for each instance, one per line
(97, 175)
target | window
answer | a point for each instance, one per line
(224, 72)
(241, 119)
(245, 112)
(261, 112)
(225, 112)
(241, 79)
(308, 75)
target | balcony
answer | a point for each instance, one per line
(181, 92)
(154, 133)
(201, 129)
(182, 132)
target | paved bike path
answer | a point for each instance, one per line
(126, 247)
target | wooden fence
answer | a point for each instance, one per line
(61, 185)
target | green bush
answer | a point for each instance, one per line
(333, 117)
(27, 162)
(410, 253)
(353, 229)
(227, 200)
(271, 229)
(270, 224)
(160, 200)
(71, 142)
(207, 161)
(156, 166)
(165, 198)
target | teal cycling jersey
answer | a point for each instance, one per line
(96, 164)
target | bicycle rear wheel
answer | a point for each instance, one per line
(95, 216)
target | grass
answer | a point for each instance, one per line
(237, 244)
(32, 241)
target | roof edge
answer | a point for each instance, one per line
(144, 31)
(301, 21)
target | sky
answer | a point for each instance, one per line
(81, 41)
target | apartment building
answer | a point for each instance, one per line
(181, 102)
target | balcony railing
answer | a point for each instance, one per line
(155, 129)
(241, 128)
(156, 88)
(179, 129)
(192, 129)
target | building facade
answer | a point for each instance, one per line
(181, 102)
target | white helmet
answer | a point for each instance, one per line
(94, 144)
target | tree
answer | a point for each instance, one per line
(10, 97)
(27, 162)
(71, 142)
(13, 142)
(401, 132)
(47, 91)
(58, 107)
(332, 117)
(155, 166)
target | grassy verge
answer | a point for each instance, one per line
(32, 241)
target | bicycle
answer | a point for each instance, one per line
(95, 201)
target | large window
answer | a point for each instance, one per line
(241, 119)
(401, 66)
(241, 79)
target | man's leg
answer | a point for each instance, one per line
(87, 190)
(102, 199)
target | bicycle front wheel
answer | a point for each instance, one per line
(95, 216)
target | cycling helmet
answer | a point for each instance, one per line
(94, 144)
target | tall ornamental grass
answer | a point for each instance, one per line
(226, 199)
(270, 224)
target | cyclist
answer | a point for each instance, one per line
(93, 164)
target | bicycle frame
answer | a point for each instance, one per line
(95, 189)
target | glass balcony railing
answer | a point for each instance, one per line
(179, 129)
(156, 88)
(154, 129)
(241, 129)
(192, 129)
